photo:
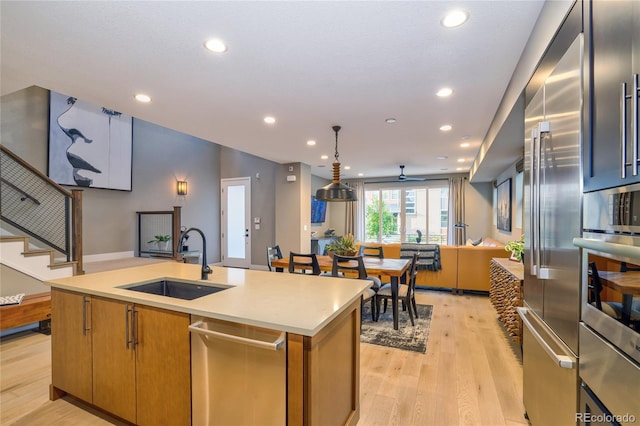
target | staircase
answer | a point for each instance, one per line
(16, 253)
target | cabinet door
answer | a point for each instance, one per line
(610, 41)
(71, 343)
(163, 367)
(114, 374)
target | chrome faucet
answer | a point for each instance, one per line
(205, 268)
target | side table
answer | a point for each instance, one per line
(505, 293)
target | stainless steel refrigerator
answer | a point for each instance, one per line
(553, 196)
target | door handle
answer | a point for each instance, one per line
(533, 215)
(563, 361)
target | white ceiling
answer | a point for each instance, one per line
(309, 64)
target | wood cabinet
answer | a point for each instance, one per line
(114, 368)
(138, 358)
(506, 295)
(71, 345)
(323, 373)
(612, 57)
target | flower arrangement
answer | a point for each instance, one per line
(516, 248)
(343, 246)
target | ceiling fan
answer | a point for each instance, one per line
(402, 178)
(405, 178)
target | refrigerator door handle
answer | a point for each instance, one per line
(563, 361)
(544, 127)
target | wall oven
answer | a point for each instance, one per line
(610, 314)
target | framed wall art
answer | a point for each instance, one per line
(504, 205)
(89, 145)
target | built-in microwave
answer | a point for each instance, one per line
(609, 355)
(613, 211)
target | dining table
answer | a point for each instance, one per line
(395, 269)
(627, 283)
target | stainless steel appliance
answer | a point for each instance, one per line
(238, 374)
(609, 340)
(553, 200)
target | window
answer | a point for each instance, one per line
(402, 213)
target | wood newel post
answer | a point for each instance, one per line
(177, 224)
(76, 230)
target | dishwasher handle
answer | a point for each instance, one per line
(562, 360)
(197, 327)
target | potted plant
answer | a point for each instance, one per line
(516, 248)
(162, 241)
(343, 246)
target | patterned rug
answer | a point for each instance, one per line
(407, 337)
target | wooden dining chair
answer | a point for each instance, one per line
(371, 251)
(303, 263)
(406, 292)
(273, 253)
(353, 267)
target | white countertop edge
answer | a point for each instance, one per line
(117, 291)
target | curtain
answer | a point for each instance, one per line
(354, 220)
(457, 234)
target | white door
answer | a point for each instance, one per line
(236, 222)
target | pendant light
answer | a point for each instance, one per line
(336, 191)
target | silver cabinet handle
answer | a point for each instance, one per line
(563, 361)
(85, 302)
(198, 328)
(134, 328)
(126, 325)
(634, 110)
(623, 131)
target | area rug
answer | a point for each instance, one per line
(407, 337)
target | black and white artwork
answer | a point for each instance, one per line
(504, 206)
(89, 145)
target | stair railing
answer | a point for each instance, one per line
(39, 207)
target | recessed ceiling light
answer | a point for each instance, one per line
(360, 174)
(444, 92)
(311, 142)
(324, 157)
(446, 127)
(140, 97)
(269, 120)
(215, 45)
(455, 18)
(442, 157)
(347, 167)
(460, 160)
(465, 145)
(459, 168)
(390, 120)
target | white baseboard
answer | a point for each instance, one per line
(107, 256)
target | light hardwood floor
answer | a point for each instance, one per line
(470, 375)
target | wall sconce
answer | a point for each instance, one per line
(182, 187)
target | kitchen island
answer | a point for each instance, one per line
(129, 353)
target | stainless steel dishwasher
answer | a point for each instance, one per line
(238, 374)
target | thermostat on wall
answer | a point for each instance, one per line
(291, 178)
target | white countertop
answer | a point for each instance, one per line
(281, 301)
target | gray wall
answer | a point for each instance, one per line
(160, 156)
(234, 164)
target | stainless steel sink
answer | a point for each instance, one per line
(176, 289)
